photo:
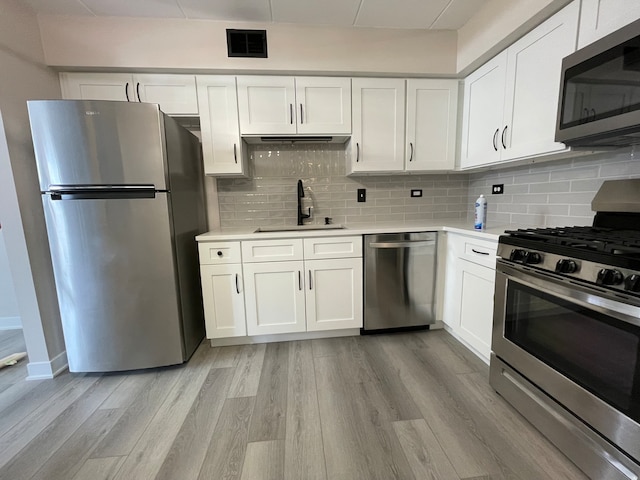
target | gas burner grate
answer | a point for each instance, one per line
(596, 239)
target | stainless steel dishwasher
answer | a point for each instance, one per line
(399, 281)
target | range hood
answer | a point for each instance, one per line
(291, 139)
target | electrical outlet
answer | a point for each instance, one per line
(362, 195)
(498, 189)
(416, 192)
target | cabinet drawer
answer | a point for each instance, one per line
(217, 253)
(272, 250)
(480, 252)
(332, 247)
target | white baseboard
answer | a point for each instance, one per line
(48, 370)
(10, 323)
(466, 344)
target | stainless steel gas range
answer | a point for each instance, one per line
(566, 333)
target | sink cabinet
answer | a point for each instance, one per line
(281, 286)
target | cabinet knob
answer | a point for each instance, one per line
(220, 253)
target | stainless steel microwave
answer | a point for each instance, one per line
(599, 103)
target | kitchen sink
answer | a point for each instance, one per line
(298, 228)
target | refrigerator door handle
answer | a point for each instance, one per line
(81, 192)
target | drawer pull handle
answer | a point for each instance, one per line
(310, 284)
(299, 280)
(479, 252)
(237, 286)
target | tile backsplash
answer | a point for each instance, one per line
(269, 195)
(555, 193)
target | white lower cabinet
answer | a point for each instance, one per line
(223, 299)
(274, 297)
(265, 287)
(469, 289)
(475, 295)
(334, 294)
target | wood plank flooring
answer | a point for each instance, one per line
(399, 406)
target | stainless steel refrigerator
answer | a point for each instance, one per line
(122, 190)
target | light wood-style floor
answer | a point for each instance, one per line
(398, 406)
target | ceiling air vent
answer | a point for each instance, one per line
(247, 43)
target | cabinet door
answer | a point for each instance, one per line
(602, 17)
(475, 295)
(223, 298)
(483, 113)
(377, 142)
(267, 105)
(97, 86)
(176, 94)
(534, 65)
(432, 107)
(323, 105)
(334, 294)
(274, 296)
(222, 147)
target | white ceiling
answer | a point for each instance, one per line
(420, 14)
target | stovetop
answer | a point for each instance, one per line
(607, 257)
(588, 239)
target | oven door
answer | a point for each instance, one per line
(580, 345)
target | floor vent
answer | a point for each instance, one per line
(247, 43)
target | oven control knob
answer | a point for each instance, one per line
(632, 283)
(607, 276)
(533, 258)
(518, 255)
(566, 266)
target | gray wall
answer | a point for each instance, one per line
(24, 76)
(556, 193)
(268, 196)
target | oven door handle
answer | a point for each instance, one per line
(577, 294)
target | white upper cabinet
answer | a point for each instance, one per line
(534, 67)
(377, 141)
(483, 113)
(97, 86)
(323, 105)
(511, 102)
(176, 94)
(432, 107)
(272, 105)
(403, 126)
(602, 17)
(223, 151)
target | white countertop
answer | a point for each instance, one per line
(456, 226)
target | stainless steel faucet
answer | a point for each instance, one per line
(301, 216)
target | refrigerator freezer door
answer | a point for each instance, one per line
(114, 268)
(86, 142)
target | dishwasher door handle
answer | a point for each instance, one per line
(408, 243)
